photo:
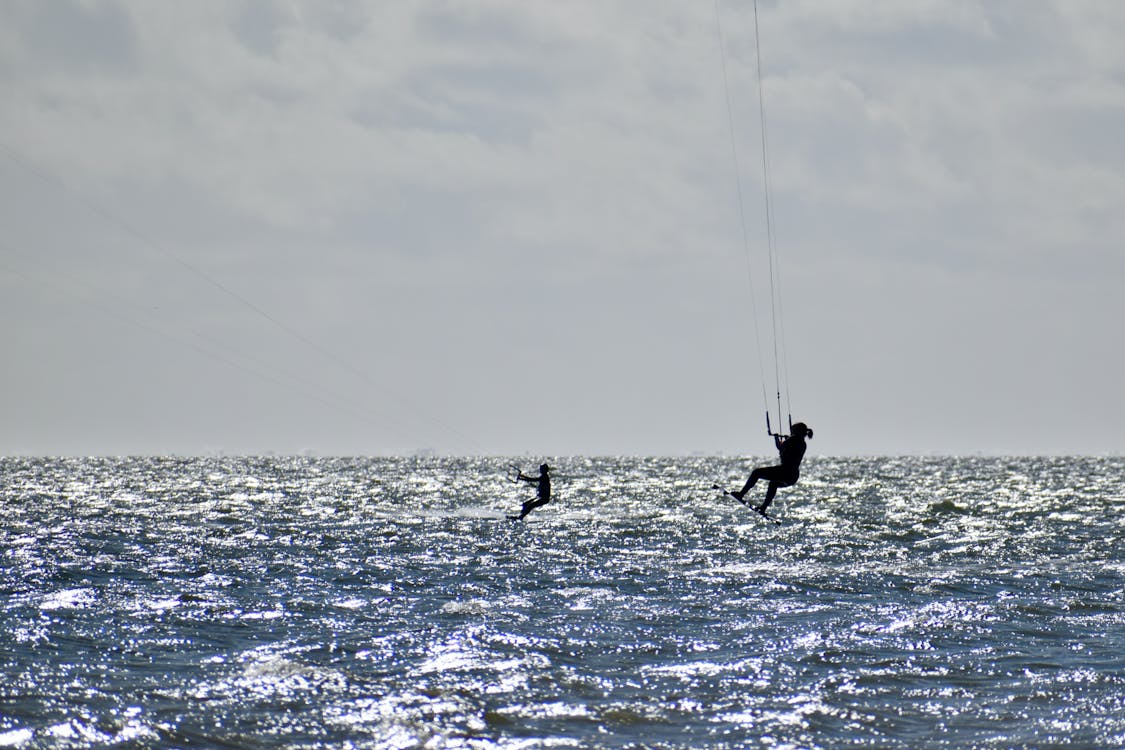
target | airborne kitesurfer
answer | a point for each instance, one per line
(543, 492)
(785, 474)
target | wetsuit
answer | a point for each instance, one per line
(543, 493)
(785, 474)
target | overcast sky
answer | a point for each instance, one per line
(509, 226)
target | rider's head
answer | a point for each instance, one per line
(801, 430)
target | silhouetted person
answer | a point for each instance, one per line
(543, 493)
(785, 474)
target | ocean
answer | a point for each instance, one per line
(388, 603)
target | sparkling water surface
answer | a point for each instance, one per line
(388, 603)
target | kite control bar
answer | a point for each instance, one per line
(769, 429)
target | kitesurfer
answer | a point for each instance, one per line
(785, 474)
(543, 492)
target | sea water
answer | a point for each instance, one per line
(388, 603)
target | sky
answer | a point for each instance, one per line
(532, 228)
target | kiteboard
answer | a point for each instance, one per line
(761, 513)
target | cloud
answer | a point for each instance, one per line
(71, 37)
(422, 184)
